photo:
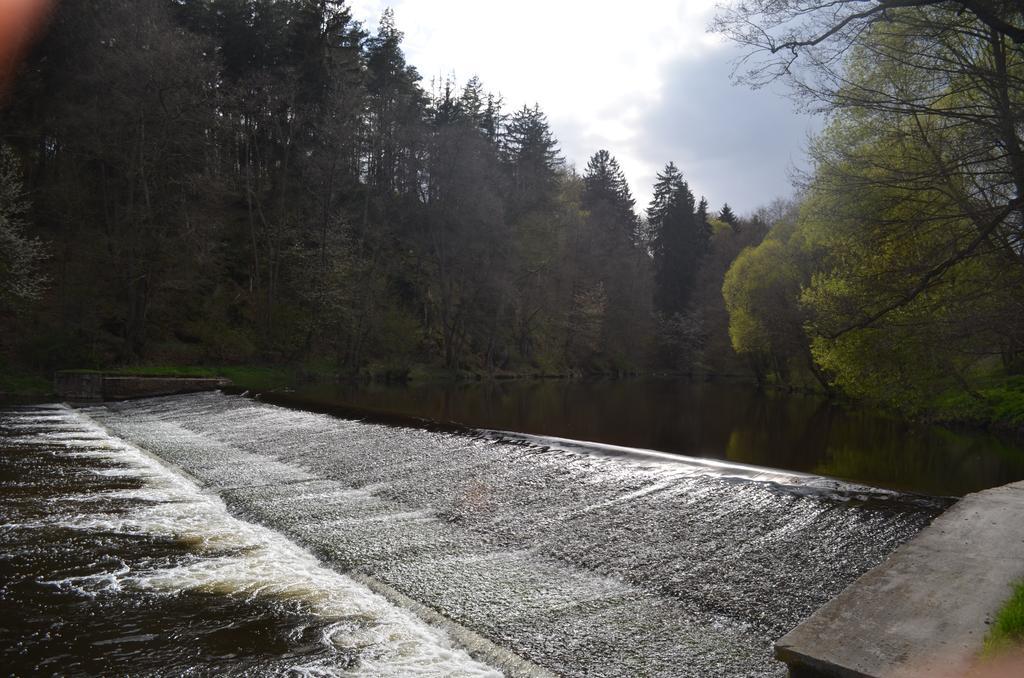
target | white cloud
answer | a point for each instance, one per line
(596, 68)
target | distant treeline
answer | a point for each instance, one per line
(257, 181)
(239, 181)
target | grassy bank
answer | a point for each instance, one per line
(261, 377)
(21, 385)
(276, 377)
(1007, 631)
(244, 376)
(258, 378)
(996, 402)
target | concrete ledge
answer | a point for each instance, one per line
(925, 610)
(93, 386)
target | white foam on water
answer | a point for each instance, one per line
(51, 423)
(52, 441)
(76, 435)
(40, 416)
(237, 558)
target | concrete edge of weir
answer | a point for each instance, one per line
(478, 647)
(925, 610)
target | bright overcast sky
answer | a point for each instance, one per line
(642, 79)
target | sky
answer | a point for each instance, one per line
(642, 79)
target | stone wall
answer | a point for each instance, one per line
(91, 386)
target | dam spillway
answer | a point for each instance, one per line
(577, 562)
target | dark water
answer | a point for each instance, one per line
(211, 534)
(113, 564)
(721, 421)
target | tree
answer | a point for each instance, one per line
(762, 295)
(944, 80)
(680, 238)
(21, 255)
(465, 234)
(716, 354)
(396, 114)
(607, 196)
(728, 216)
(125, 165)
(612, 258)
(530, 152)
(916, 203)
(947, 337)
(259, 180)
(539, 212)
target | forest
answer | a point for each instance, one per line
(269, 182)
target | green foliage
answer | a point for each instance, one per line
(714, 352)
(251, 377)
(998, 400)
(24, 385)
(762, 295)
(881, 231)
(912, 218)
(760, 279)
(1007, 630)
(315, 205)
(265, 183)
(727, 216)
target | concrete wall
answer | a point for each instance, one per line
(77, 386)
(925, 611)
(81, 386)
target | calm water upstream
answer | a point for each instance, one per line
(730, 422)
(211, 534)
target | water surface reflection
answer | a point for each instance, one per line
(734, 422)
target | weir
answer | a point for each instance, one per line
(582, 564)
(367, 547)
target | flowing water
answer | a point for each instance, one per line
(727, 421)
(211, 534)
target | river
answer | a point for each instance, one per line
(731, 422)
(215, 534)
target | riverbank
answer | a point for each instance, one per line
(1007, 631)
(27, 386)
(926, 610)
(998, 404)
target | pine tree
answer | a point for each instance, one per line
(606, 193)
(667, 191)
(395, 112)
(702, 231)
(530, 154)
(680, 239)
(728, 216)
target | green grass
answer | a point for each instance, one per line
(27, 385)
(998, 401)
(164, 371)
(244, 376)
(1007, 631)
